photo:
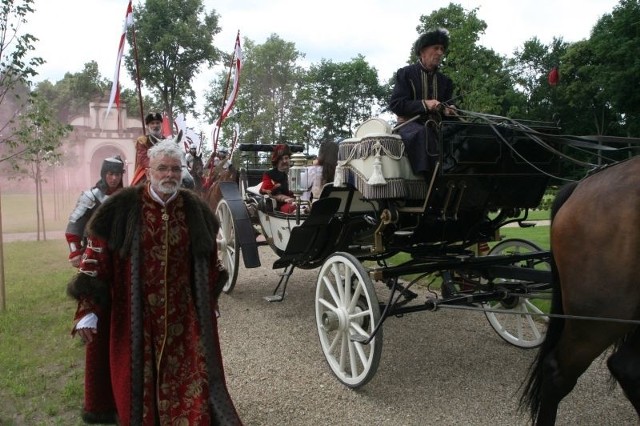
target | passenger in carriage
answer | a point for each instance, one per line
(322, 171)
(275, 181)
(422, 90)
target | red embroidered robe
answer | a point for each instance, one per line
(165, 367)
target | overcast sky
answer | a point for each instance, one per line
(73, 32)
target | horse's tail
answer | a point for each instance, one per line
(532, 392)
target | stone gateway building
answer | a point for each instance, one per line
(95, 137)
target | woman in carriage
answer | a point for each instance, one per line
(322, 170)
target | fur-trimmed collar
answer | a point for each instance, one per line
(117, 219)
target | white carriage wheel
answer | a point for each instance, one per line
(227, 243)
(347, 305)
(516, 325)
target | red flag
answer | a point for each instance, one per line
(115, 88)
(554, 76)
(166, 129)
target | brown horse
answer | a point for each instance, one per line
(595, 243)
(211, 191)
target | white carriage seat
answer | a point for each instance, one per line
(255, 189)
(373, 127)
(268, 204)
(264, 202)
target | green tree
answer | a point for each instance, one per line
(346, 94)
(266, 101)
(131, 102)
(615, 40)
(72, 95)
(579, 99)
(479, 74)
(173, 38)
(17, 66)
(530, 67)
(38, 138)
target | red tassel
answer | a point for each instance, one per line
(554, 76)
(166, 129)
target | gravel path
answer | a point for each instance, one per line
(437, 368)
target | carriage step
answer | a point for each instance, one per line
(275, 297)
(403, 233)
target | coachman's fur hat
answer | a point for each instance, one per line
(431, 38)
(152, 117)
(279, 151)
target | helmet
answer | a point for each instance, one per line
(112, 164)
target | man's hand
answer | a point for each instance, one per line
(431, 104)
(75, 260)
(86, 334)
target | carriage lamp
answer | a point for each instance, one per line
(298, 174)
(298, 179)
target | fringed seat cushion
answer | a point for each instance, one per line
(356, 165)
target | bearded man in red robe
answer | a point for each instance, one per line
(152, 263)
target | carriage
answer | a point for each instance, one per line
(378, 232)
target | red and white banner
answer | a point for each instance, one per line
(234, 72)
(115, 88)
(237, 62)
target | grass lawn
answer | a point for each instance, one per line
(19, 212)
(42, 366)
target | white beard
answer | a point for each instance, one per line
(166, 186)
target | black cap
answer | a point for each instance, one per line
(431, 38)
(151, 117)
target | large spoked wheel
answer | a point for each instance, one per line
(227, 244)
(347, 312)
(518, 319)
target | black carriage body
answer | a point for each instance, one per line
(496, 166)
(255, 161)
(487, 175)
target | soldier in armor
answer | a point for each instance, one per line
(220, 157)
(110, 181)
(192, 155)
(98, 406)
